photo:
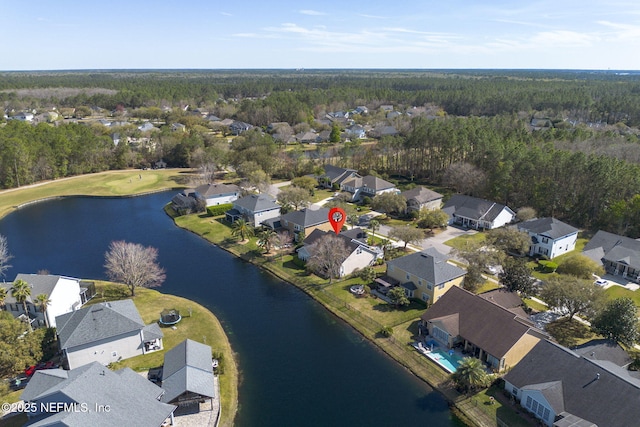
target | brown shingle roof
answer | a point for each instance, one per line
(487, 325)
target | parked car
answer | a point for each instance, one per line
(18, 383)
(155, 375)
(601, 282)
(40, 366)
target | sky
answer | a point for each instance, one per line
(286, 34)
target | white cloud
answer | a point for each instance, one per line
(225, 14)
(620, 31)
(312, 12)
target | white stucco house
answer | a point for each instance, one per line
(549, 236)
(106, 333)
(65, 294)
(218, 194)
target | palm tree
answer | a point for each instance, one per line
(242, 229)
(266, 237)
(21, 291)
(3, 296)
(470, 375)
(374, 225)
(43, 301)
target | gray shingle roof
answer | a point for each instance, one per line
(474, 208)
(210, 190)
(429, 265)
(603, 349)
(549, 227)
(605, 245)
(187, 368)
(97, 322)
(491, 327)
(307, 217)
(369, 181)
(40, 284)
(131, 398)
(257, 203)
(337, 174)
(421, 195)
(611, 400)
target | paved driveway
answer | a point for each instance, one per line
(449, 233)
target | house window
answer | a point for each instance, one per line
(390, 267)
(440, 334)
(425, 297)
(545, 240)
(429, 286)
(408, 276)
(419, 282)
(114, 354)
(514, 391)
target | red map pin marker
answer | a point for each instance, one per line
(337, 217)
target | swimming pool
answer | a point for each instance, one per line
(447, 360)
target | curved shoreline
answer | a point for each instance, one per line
(466, 414)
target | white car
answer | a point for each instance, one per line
(601, 282)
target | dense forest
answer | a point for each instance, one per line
(583, 168)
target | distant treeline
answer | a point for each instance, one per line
(587, 96)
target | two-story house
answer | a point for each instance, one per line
(422, 198)
(107, 332)
(549, 236)
(65, 294)
(305, 221)
(255, 208)
(367, 186)
(92, 395)
(426, 275)
(217, 194)
(334, 176)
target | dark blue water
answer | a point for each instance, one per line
(300, 366)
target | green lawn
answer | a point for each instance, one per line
(461, 242)
(614, 292)
(538, 273)
(112, 183)
(570, 333)
(197, 323)
(534, 304)
(500, 407)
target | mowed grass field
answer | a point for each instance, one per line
(111, 183)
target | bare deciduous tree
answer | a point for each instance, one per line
(465, 178)
(5, 256)
(134, 265)
(327, 255)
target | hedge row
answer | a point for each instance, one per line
(218, 210)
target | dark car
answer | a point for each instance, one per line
(18, 383)
(155, 375)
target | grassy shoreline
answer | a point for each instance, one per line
(217, 232)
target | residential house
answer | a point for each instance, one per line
(481, 328)
(604, 349)
(324, 136)
(334, 176)
(23, 116)
(476, 213)
(361, 109)
(360, 254)
(307, 137)
(105, 333)
(237, 127)
(380, 131)
(386, 107)
(187, 374)
(506, 299)
(367, 186)
(356, 132)
(426, 275)
(226, 122)
(563, 388)
(305, 221)
(147, 127)
(393, 114)
(619, 255)
(178, 127)
(255, 208)
(212, 118)
(92, 395)
(549, 236)
(422, 198)
(185, 203)
(65, 294)
(217, 194)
